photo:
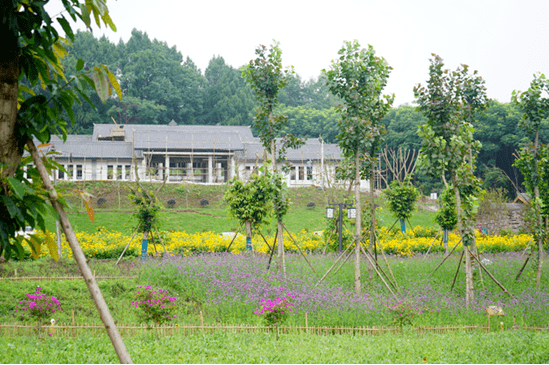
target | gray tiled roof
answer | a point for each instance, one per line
(312, 150)
(184, 137)
(185, 140)
(93, 149)
(225, 136)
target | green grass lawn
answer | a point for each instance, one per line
(231, 348)
(214, 218)
(188, 214)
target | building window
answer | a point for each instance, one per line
(78, 172)
(60, 174)
(110, 172)
(70, 172)
(128, 172)
(119, 172)
(309, 173)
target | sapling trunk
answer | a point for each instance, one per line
(357, 225)
(248, 235)
(538, 215)
(281, 259)
(371, 246)
(469, 290)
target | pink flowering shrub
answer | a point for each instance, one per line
(275, 312)
(154, 305)
(403, 313)
(38, 307)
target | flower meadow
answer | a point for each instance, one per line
(228, 289)
(109, 245)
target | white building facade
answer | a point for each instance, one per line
(185, 153)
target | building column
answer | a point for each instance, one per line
(189, 167)
(167, 163)
(210, 169)
(142, 170)
(230, 167)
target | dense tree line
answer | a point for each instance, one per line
(161, 85)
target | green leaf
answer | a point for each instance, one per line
(80, 64)
(101, 84)
(18, 187)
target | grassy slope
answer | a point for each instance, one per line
(188, 215)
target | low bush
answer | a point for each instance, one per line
(101, 202)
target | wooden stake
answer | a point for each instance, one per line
(234, 237)
(451, 252)
(490, 275)
(457, 271)
(334, 264)
(125, 248)
(432, 243)
(329, 238)
(375, 268)
(387, 262)
(267, 243)
(523, 266)
(273, 250)
(160, 239)
(299, 248)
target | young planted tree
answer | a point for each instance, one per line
(266, 78)
(446, 217)
(147, 212)
(401, 200)
(533, 159)
(358, 77)
(250, 202)
(449, 102)
(31, 54)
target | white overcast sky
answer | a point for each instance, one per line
(507, 41)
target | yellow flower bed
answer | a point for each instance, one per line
(105, 244)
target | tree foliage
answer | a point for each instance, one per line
(401, 198)
(446, 217)
(358, 78)
(449, 102)
(250, 201)
(37, 98)
(147, 208)
(533, 159)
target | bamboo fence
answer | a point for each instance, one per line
(132, 330)
(76, 277)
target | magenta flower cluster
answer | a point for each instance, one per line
(38, 307)
(154, 305)
(275, 312)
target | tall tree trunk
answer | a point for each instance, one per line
(11, 147)
(469, 290)
(281, 267)
(538, 213)
(357, 225)
(78, 254)
(371, 246)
